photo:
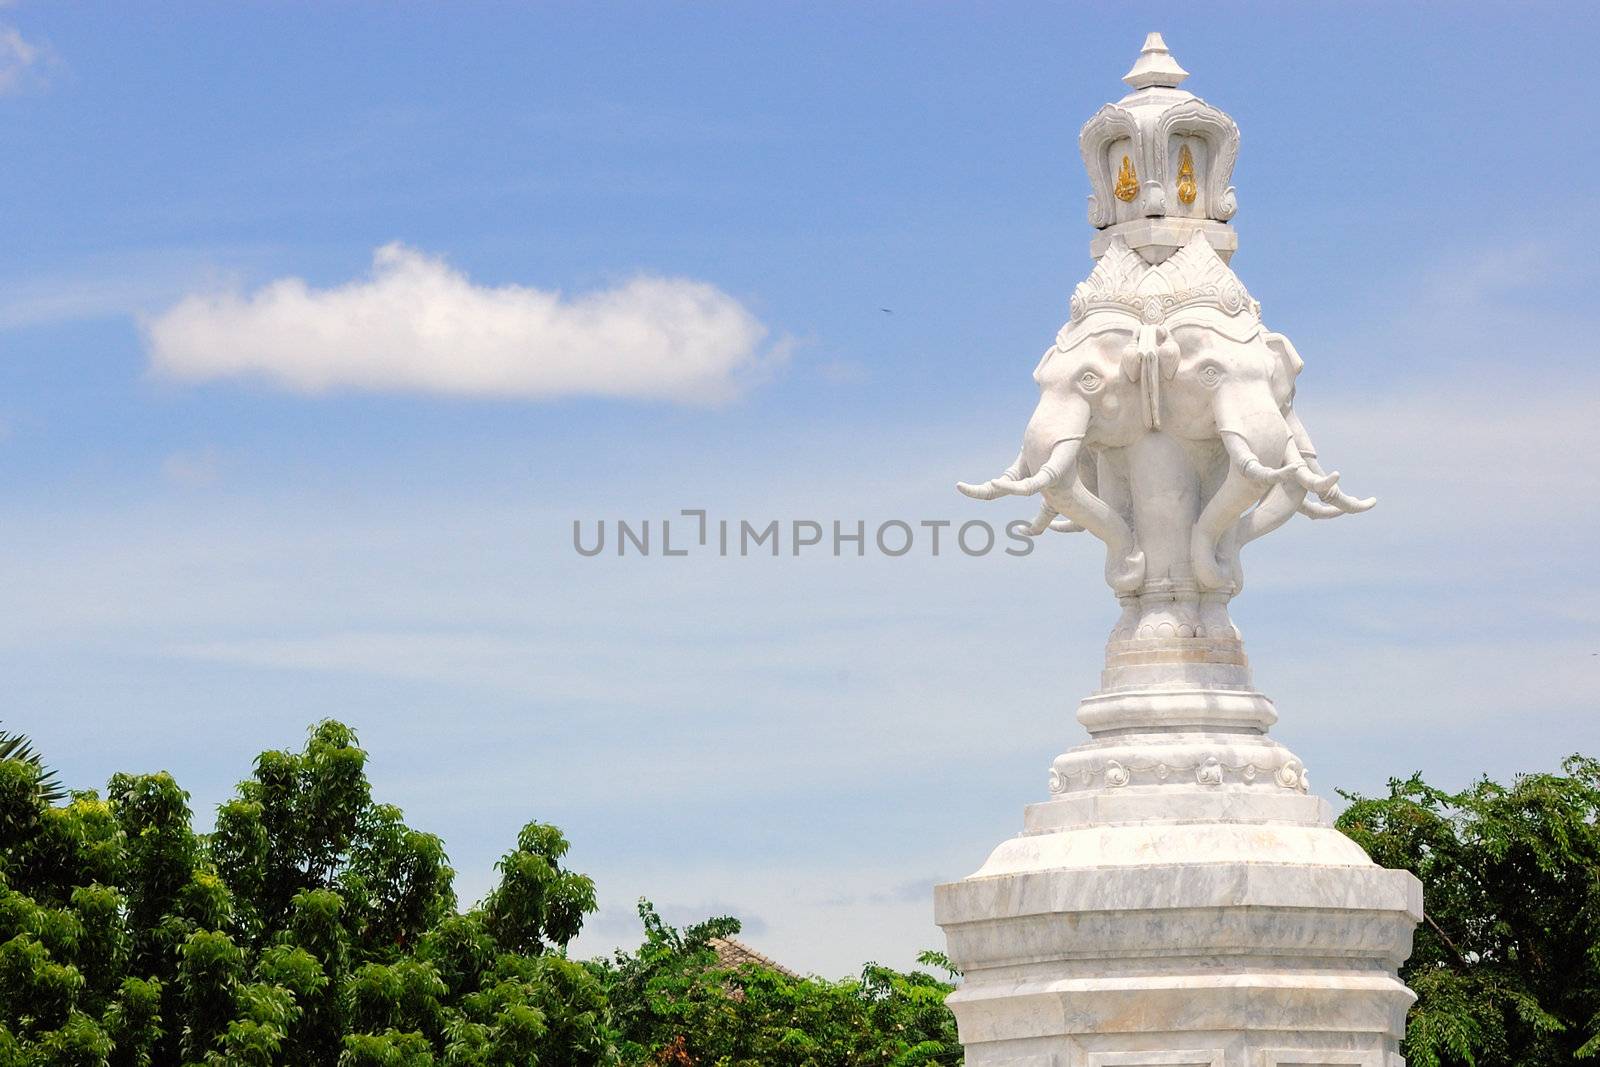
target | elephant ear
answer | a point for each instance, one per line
(1289, 360)
(1044, 360)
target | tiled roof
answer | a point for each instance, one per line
(731, 954)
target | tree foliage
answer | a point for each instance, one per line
(676, 1006)
(45, 781)
(314, 928)
(1506, 966)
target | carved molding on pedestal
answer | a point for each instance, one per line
(1201, 767)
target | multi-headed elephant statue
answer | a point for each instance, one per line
(1166, 427)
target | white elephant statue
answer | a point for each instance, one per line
(1166, 427)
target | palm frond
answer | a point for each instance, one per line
(17, 746)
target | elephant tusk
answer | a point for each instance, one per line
(1348, 504)
(1310, 475)
(1041, 521)
(1317, 510)
(1249, 466)
(981, 491)
(989, 490)
(1342, 502)
(1319, 484)
(1050, 519)
(1257, 471)
(1060, 461)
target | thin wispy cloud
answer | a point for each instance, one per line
(416, 324)
(115, 283)
(192, 469)
(24, 64)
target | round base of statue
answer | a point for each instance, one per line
(1182, 900)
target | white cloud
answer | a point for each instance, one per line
(114, 289)
(120, 283)
(416, 324)
(22, 62)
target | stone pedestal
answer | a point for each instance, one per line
(1182, 898)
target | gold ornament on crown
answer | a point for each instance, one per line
(1127, 182)
(1186, 186)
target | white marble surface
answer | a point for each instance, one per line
(1182, 897)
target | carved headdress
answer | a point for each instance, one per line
(1146, 301)
(1192, 285)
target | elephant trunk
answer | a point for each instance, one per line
(1282, 501)
(1236, 495)
(1124, 561)
(1151, 357)
(1250, 426)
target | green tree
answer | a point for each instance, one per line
(305, 822)
(314, 928)
(46, 783)
(1506, 966)
(161, 862)
(511, 995)
(63, 933)
(677, 1006)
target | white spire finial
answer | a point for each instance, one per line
(1155, 66)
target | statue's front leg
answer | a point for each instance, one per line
(1165, 502)
(1111, 485)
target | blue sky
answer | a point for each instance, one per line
(200, 556)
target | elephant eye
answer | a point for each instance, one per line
(1089, 381)
(1211, 374)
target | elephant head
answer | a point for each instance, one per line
(1235, 385)
(1091, 397)
(1335, 501)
